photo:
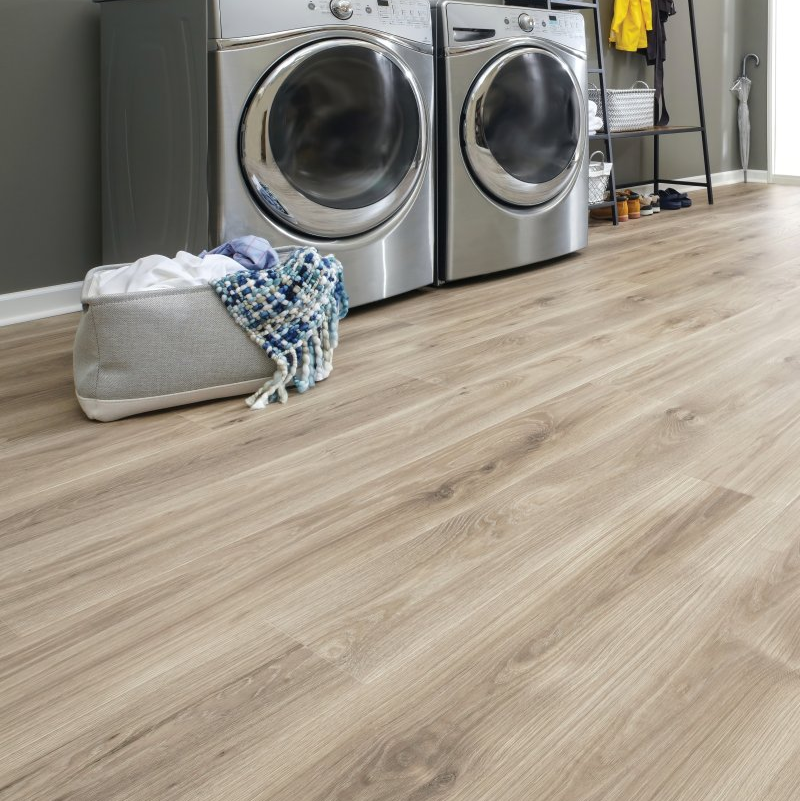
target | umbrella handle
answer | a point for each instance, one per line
(746, 59)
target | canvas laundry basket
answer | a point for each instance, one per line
(155, 349)
(628, 109)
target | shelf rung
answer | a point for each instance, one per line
(664, 131)
(573, 4)
(681, 182)
(642, 182)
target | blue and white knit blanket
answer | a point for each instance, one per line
(292, 311)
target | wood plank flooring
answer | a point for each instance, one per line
(536, 539)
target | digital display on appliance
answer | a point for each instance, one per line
(383, 2)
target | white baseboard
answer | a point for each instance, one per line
(786, 180)
(728, 178)
(717, 179)
(34, 304)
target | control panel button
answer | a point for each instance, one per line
(526, 22)
(342, 9)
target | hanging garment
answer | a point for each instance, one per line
(656, 54)
(632, 20)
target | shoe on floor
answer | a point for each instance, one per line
(634, 203)
(654, 201)
(646, 206)
(600, 214)
(682, 196)
(669, 202)
(606, 214)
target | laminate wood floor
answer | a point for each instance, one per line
(537, 539)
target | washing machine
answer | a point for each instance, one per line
(306, 122)
(512, 134)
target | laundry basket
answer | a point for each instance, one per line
(142, 351)
(628, 109)
(599, 173)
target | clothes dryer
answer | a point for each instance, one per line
(307, 122)
(512, 131)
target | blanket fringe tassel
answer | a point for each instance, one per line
(290, 367)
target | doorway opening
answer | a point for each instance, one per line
(784, 109)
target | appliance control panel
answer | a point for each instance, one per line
(468, 23)
(407, 19)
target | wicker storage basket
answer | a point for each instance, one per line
(628, 109)
(599, 172)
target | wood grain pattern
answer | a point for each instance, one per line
(538, 537)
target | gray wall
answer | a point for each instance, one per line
(49, 139)
(755, 39)
(719, 34)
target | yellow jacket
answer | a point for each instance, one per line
(632, 20)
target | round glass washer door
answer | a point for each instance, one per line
(523, 130)
(334, 139)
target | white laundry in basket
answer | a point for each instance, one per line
(160, 272)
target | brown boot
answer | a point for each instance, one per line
(605, 213)
(623, 207)
(634, 204)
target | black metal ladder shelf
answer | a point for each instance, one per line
(607, 137)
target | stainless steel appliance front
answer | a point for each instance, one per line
(335, 139)
(322, 137)
(512, 185)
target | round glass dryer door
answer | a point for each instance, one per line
(334, 139)
(523, 127)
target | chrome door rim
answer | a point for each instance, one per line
(276, 194)
(486, 169)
